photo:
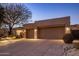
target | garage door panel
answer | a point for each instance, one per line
(51, 33)
(30, 33)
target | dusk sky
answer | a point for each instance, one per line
(42, 11)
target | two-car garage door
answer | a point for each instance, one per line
(51, 33)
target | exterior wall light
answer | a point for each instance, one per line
(35, 33)
(67, 30)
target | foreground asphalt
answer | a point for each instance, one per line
(34, 48)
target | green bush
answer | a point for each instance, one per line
(68, 38)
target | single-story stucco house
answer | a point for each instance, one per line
(75, 31)
(75, 27)
(55, 28)
(48, 29)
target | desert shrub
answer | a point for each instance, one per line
(68, 38)
(11, 36)
(18, 36)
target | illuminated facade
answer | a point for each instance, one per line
(48, 29)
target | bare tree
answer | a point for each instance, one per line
(15, 14)
(1, 15)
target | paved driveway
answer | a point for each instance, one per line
(34, 48)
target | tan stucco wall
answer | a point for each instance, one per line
(55, 24)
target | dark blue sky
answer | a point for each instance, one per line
(42, 11)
